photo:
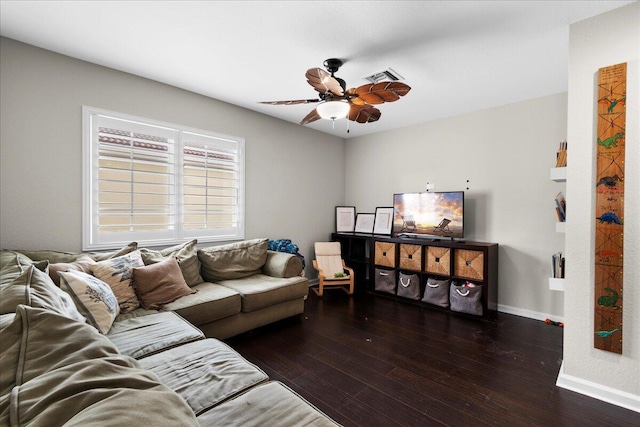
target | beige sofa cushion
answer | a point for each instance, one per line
(187, 255)
(57, 256)
(62, 372)
(260, 291)
(36, 289)
(12, 264)
(204, 372)
(212, 302)
(233, 261)
(281, 264)
(143, 336)
(268, 402)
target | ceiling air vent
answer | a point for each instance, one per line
(388, 74)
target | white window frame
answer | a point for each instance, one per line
(92, 239)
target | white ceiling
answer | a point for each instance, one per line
(458, 56)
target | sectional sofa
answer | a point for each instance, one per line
(138, 348)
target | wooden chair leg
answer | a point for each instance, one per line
(320, 288)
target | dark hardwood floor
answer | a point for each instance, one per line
(373, 361)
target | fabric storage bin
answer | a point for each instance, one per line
(385, 280)
(469, 264)
(410, 257)
(408, 286)
(465, 298)
(385, 254)
(436, 292)
(438, 261)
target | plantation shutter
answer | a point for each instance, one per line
(211, 185)
(157, 184)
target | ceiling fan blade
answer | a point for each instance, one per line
(353, 97)
(363, 113)
(323, 82)
(380, 93)
(290, 102)
(311, 117)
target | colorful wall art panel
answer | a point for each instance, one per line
(609, 221)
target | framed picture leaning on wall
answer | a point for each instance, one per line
(364, 222)
(384, 221)
(345, 219)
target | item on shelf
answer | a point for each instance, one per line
(385, 281)
(384, 221)
(364, 222)
(436, 292)
(385, 254)
(409, 286)
(438, 260)
(345, 219)
(557, 266)
(561, 207)
(411, 257)
(561, 157)
(469, 264)
(466, 299)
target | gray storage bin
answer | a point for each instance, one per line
(385, 280)
(409, 286)
(466, 299)
(436, 292)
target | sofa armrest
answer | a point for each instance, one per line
(282, 264)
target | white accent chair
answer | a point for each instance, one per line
(329, 262)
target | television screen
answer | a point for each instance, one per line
(436, 214)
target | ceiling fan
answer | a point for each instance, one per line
(337, 102)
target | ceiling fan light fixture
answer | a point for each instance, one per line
(333, 110)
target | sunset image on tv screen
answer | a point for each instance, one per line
(438, 214)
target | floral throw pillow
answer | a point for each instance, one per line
(118, 274)
(92, 297)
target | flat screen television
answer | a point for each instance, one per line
(430, 213)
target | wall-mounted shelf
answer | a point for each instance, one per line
(558, 174)
(556, 284)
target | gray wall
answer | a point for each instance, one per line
(295, 175)
(506, 154)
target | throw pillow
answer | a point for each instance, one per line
(187, 257)
(82, 264)
(233, 261)
(160, 283)
(93, 298)
(117, 273)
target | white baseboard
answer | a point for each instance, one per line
(598, 391)
(528, 313)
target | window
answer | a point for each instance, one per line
(158, 183)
